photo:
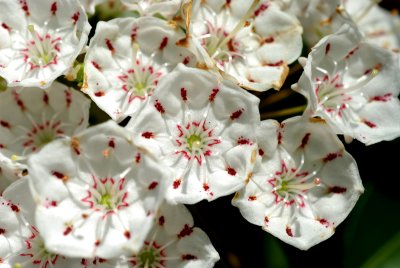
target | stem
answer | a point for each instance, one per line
(284, 112)
(278, 96)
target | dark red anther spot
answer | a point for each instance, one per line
(188, 257)
(153, 185)
(187, 230)
(324, 222)
(331, 156)
(59, 175)
(206, 187)
(327, 48)
(269, 39)
(176, 184)
(110, 45)
(53, 8)
(159, 107)
(383, 98)
(5, 26)
(111, 143)
(161, 220)
(261, 9)
(261, 152)
(184, 94)
(148, 135)
(96, 65)
(289, 231)
(68, 97)
(5, 124)
(231, 171)
(127, 234)
(164, 43)
(14, 208)
(266, 220)
(137, 158)
(279, 137)
(236, 114)
(99, 93)
(244, 141)
(305, 140)
(2, 232)
(213, 94)
(24, 7)
(252, 198)
(337, 190)
(186, 60)
(67, 231)
(275, 64)
(369, 123)
(75, 17)
(97, 243)
(46, 98)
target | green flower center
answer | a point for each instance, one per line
(147, 258)
(194, 142)
(106, 201)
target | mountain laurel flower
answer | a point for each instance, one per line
(167, 8)
(96, 193)
(304, 183)
(40, 39)
(126, 59)
(242, 38)
(21, 244)
(194, 121)
(30, 118)
(353, 85)
(174, 242)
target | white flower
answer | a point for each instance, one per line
(41, 39)
(304, 185)
(195, 120)
(167, 8)
(251, 42)
(21, 244)
(96, 193)
(353, 85)
(378, 25)
(31, 118)
(126, 60)
(174, 242)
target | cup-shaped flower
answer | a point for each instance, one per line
(31, 117)
(195, 120)
(96, 193)
(41, 39)
(21, 244)
(166, 8)
(243, 37)
(174, 242)
(353, 85)
(304, 183)
(126, 60)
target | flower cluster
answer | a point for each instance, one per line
(179, 80)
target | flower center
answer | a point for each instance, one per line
(41, 134)
(194, 142)
(147, 258)
(41, 51)
(106, 201)
(290, 184)
(106, 194)
(37, 252)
